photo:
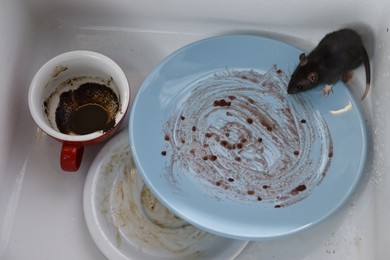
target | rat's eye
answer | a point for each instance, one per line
(300, 87)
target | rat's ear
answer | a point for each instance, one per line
(313, 77)
(302, 59)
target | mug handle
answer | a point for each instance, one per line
(71, 155)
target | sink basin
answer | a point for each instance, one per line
(41, 214)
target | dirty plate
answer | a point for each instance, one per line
(220, 143)
(127, 222)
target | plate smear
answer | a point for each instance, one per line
(136, 224)
(240, 135)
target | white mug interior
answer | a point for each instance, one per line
(66, 72)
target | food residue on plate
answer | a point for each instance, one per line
(135, 217)
(239, 134)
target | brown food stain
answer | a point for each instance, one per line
(222, 103)
(58, 70)
(233, 137)
(298, 189)
(89, 108)
(138, 218)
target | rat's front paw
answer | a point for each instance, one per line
(327, 90)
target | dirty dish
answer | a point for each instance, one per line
(127, 222)
(79, 98)
(232, 152)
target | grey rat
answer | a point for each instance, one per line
(336, 55)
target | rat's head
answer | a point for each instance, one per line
(303, 78)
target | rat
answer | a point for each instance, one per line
(336, 55)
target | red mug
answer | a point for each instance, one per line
(79, 98)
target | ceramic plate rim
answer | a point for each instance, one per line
(94, 226)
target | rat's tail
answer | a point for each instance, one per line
(366, 62)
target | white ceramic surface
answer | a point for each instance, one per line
(127, 222)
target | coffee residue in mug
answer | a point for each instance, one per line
(245, 139)
(89, 108)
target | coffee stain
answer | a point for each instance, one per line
(58, 70)
(137, 217)
(242, 132)
(157, 213)
(66, 89)
(89, 108)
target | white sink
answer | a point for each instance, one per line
(41, 211)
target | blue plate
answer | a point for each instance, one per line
(219, 142)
